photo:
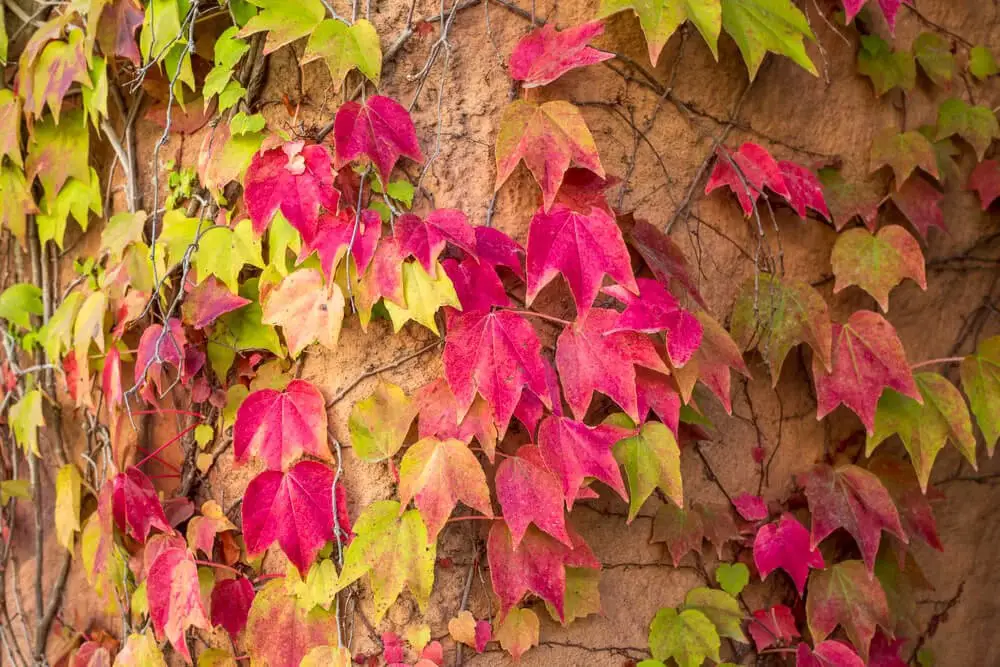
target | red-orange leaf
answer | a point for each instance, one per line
(277, 426)
(920, 202)
(985, 180)
(747, 171)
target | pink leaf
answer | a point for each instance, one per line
(830, 653)
(804, 189)
(135, 505)
(785, 544)
(747, 172)
(231, 600)
(545, 54)
(920, 202)
(380, 130)
(497, 249)
(985, 180)
(476, 283)
(751, 508)
(277, 426)
(175, 598)
(573, 451)
(656, 310)
(426, 239)
(335, 233)
(771, 626)
(208, 301)
(528, 493)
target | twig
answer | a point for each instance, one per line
(381, 369)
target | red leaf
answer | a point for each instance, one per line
(496, 354)
(336, 233)
(985, 180)
(157, 348)
(497, 249)
(847, 595)
(438, 412)
(830, 653)
(175, 598)
(681, 530)
(484, 634)
(294, 508)
(278, 426)
(804, 189)
(751, 508)
(380, 130)
(657, 392)
(545, 54)
(663, 257)
(867, 357)
(915, 513)
(425, 239)
(747, 172)
(208, 301)
(231, 600)
(785, 544)
(592, 358)
(712, 362)
(583, 248)
(297, 179)
(116, 29)
(920, 202)
(135, 505)
(392, 647)
(656, 310)
(476, 283)
(582, 190)
(538, 565)
(854, 499)
(772, 626)
(573, 451)
(529, 493)
(884, 652)
(889, 10)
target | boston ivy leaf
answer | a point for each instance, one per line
(854, 499)
(344, 47)
(294, 177)
(751, 508)
(830, 653)
(159, 346)
(16, 201)
(771, 626)
(379, 424)
(319, 589)
(175, 598)
(67, 509)
(135, 506)
(277, 426)
(688, 637)
(59, 66)
(436, 474)
(58, 152)
(77, 199)
(712, 362)
(933, 53)
(845, 594)
(886, 68)
(903, 153)
(284, 22)
(240, 331)
(293, 508)
(495, 354)
(877, 263)
(914, 506)
(984, 179)
(280, 633)
(975, 124)
(438, 411)
(425, 293)
(496, 248)
(19, 302)
(306, 309)
(208, 301)
(661, 18)
(425, 239)
(538, 565)
(804, 189)
(920, 202)
(867, 358)
(762, 26)
(849, 200)
(651, 459)
(548, 137)
(775, 315)
(517, 632)
(201, 529)
(982, 63)
(785, 544)
(719, 607)
(889, 9)
(528, 492)
(140, 650)
(225, 156)
(392, 547)
(663, 257)
(476, 284)
(573, 451)
(682, 531)
(981, 382)
(925, 428)
(231, 602)
(112, 23)
(747, 171)
(223, 251)
(383, 279)
(656, 310)
(545, 54)
(732, 577)
(380, 130)
(336, 233)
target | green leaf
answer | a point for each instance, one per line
(57, 153)
(721, 608)
(391, 547)
(239, 331)
(903, 152)
(89, 325)
(877, 263)
(652, 459)
(16, 202)
(95, 98)
(688, 637)
(244, 124)
(231, 95)
(661, 18)
(161, 27)
(759, 26)
(224, 251)
(229, 48)
(424, 296)
(284, 21)
(981, 382)
(319, 587)
(982, 64)
(56, 335)
(122, 230)
(343, 47)
(77, 198)
(14, 488)
(19, 302)
(401, 191)
(378, 424)
(933, 52)
(733, 577)
(886, 68)
(976, 124)
(26, 418)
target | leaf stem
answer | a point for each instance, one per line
(220, 566)
(934, 362)
(475, 517)
(541, 316)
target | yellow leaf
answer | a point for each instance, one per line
(424, 296)
(462, 628)
(419, 636)
(26, 418)
(306, 310)
(141, 650)
(14, 488)
(67, 504)
(203, 462)
(203, 434)
(89, 326)
(518, 632)
(326, 656)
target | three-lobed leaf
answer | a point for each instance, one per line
(877, 262)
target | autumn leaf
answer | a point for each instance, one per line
(58, 152)
(284, 22)
(159, 346)
(495, 354)
(528, 492)
(380, 130)
(903, 153)
(886, 67)
(19, 302)
(436, 474)
(335, 234)
(661, 18)
(925, 428)
(651, 459)
(920, 202)
(279, 633)
(391, 546)
(277, 426)
(804, 189)
(545, 54)
(294, 508)
(982, 63)
(223, 251)
(889, 9)
(136, 506)
(465, 629)
(831, 653)
(10, 127)
(981, 382)
(294, 177)
(318, 589)
(663, 257)
(495, 248)
(747, 171)
(476, 284)
(688, 637)
(225, 156)
(378, 424)
(26, 418)
(867, 358)
(785, 544)
(549, 138)
(573, 451)
(306, 309)
(933, 53)
(854, 499)
(344, 47)
(913, 505)
(721, 608)
(984, 179)
(141, 650)
(977, 125)
(425, 239)
(538, 565)
(424, 295)
(877, 263)
(231, 602)
(583, 595)
(59, 65)
(732, 577)
(656, 310)
(849, 200)
(174, 596)
(845, 594)
(711, 364)
(327, 656)
(774, 315)
(16, 202)
(681, 530)
(751, 508)
(518, 632)
(208, 301)
(439, 417)
(201, 529)
(241, 331)
(67, 510)
(771, 626)
(718, 524)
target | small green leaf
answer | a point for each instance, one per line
(933, 52)
(976, 124)
(401, 191)
(244, 124)
(651, 459)
(982, 64)
(981, 382)
(886, 68)
(688, 637)
(379, 424)
(231, 95)
(19, 302)
(26, 418)
(733, 577)
(343, 47)
(721, 608)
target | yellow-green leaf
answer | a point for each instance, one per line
(424, 295)
(67, 504)
(379, 424)
(343, 47)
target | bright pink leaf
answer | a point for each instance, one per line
(747, 172)
(920, 202)
(656, 310)
(497, 249)
(804, 189)
(574, 451)
(831, 653)
(111, 379)
(425, 239)
(380, 130)
(277, 426)
(664, 258)
(157, 348)
(528, 492)
(174, 598)
(545, 54)
(294, 177)
(135, 505)
(772, 626)
(889, 10)
(985, 180)
(231, 600)
(484, 634)
(208, 301)
(884, 652)
(751, 508)
(476, 283)
(335, 233)
(657, 392)
(392, 647)
(438, 412)
(785, 544)
(583, 248)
